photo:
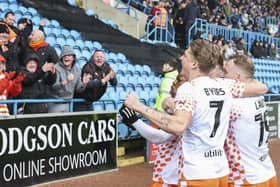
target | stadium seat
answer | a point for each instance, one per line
(98, 106)
(4, 6)
(51, 40)
(36, 19)
(22, 9)
(110, 105)
(79, 43)
(14, 7)
(70, 41)
(85, 53)
(72, 3)
(122, 131)
(75, 34)
(97, 46)
(82, 61)
(33, 11)
(121, 57)
(147, 69)
(130, 88)
(60, 40)
(88, 44)
(90, 12)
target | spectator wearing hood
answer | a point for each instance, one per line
(36, 83)
(100, 74)
(68, 80)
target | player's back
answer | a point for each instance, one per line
(203, 140)
(246, 144)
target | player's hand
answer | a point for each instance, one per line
(128, 116)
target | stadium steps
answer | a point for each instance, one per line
(131, 152)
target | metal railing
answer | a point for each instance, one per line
(16, 102)
(229, 34)
(163, 32)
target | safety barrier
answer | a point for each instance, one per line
(229, 34)
(161, 32)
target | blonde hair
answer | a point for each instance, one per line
(207, 54)
(245, 64)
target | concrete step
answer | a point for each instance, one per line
(121, 151)
(127, 161)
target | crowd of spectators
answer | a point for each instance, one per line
(249, 15)
(30, 68)
(259, 49)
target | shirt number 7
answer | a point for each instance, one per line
(219, 106)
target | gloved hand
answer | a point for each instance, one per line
(128, 116)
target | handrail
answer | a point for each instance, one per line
(128, 8)
(231, 33)
(161, 31)
(15, 102)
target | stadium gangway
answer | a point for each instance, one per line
(165, 33)
(229, 34)
(135, 4)
(16, 102)
(125, 7)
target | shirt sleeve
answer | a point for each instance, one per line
(236, 88)
(184, 99)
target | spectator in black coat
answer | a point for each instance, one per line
(100, 74)
(191, 12)
(36, 83)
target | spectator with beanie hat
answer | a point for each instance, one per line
(36, 83)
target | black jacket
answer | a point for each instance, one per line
(95, 89)
(35, 86)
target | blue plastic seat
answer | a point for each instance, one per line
(123, 80)
(33, 11)
(121, 57)
(51, 40)
(90, 12)
(14, 7)
(4, 6)
(98, 106)
(122, 131)
(86, 54)
(130, 88)
(70, 41)
(147, 69)
(109, 105)
(75, 34)
(79, 43)
(61, 41)
(97, 46)
(22, 9)
(88, 44)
